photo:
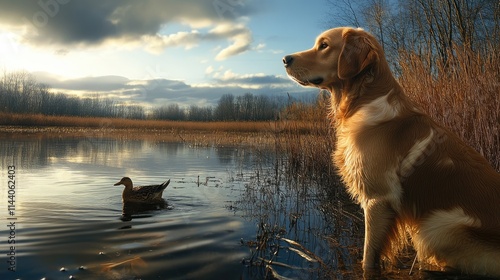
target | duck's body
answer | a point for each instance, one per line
(145, 194)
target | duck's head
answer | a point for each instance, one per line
(124, 181)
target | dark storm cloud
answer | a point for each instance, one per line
(74, 22)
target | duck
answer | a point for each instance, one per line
(144, 194)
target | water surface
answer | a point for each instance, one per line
(226, 212)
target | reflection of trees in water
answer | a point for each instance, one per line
(24, 153)
(33, 152)
(169, 148)
(36, 151)
(226, 154)
(238, 155)
(319, 216)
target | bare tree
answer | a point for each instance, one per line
(225, 110)
(197, 113)
(429, 28)
(169, 112)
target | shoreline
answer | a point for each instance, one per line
(192, 137)
(38, 120)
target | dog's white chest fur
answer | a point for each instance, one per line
(349, 160)
(354, 159)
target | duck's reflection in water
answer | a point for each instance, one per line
(136, 210)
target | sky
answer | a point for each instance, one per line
(156, 52)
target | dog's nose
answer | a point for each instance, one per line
(287, 60)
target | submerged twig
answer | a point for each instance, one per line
(414, 261)
(305, 253)
(134, 263)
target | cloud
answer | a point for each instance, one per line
(209, 70)
(157, 43)
(239, 36)
(156, 91)
(86, 84)
(249, 81)
(70, 23)
(240, 43)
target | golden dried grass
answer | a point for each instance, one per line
(463, 95)
(39, 120)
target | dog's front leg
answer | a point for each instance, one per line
(379, 221)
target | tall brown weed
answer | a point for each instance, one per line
(463, 95)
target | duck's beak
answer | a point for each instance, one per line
(117, 184)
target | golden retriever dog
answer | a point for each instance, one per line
(411, 176)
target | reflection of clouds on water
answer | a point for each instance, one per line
(67, 200)
(36, 152)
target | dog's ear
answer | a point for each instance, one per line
(358, 52)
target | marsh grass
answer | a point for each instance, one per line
(194, 133)
(463, 95)
(27, 120)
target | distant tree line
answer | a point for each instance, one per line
(247, 107)
(21, 93)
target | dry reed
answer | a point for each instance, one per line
(463, 95)
(116, 123)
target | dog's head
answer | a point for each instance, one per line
(339, 54)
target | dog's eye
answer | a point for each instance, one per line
(323, 46)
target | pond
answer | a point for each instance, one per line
(228, 211)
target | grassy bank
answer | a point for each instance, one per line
(13, 126)
(27, 120)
